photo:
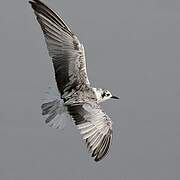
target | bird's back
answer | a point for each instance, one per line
(85, 94)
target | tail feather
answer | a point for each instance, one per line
(50, 107)
(54, 110)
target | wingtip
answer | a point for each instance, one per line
(34, 1)
(102, 150)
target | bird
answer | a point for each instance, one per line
(76, 95)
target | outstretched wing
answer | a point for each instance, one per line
(95, 126)
(64, 48)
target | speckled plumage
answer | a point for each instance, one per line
(79, 99)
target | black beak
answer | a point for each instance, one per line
(114, 97)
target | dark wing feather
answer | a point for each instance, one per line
(95, 126)
(64, 48)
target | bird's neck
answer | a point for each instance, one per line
(98, 94)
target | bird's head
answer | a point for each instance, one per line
(103, 95)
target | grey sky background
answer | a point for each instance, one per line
(132, 49)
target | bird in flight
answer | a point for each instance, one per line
(76, 96)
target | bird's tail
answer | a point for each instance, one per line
(53, 109)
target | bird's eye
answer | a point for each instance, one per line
(105, 94)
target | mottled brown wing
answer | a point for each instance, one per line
(95, 126)
(64, 48)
